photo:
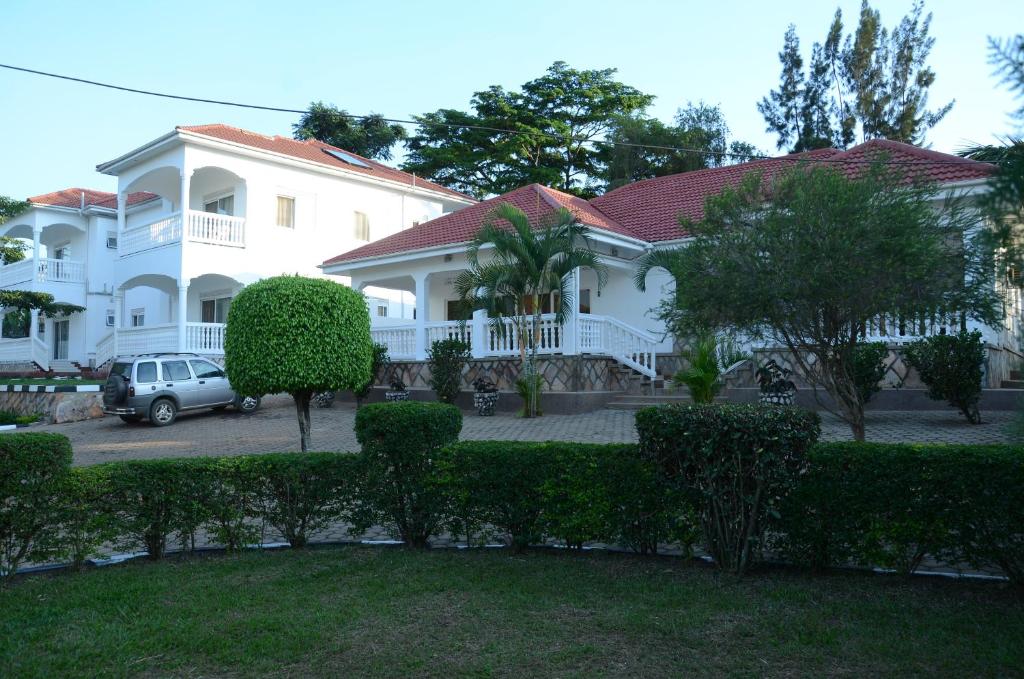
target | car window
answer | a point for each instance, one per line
(176, 370)
(204, 369)
(121, 369)
(145, 372)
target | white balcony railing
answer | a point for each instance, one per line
(205, 338)
(25, 350)
(202, 227)
(48, 270)
(400, 340)
(147, 340)
(17, 273)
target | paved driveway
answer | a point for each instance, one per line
(274, 428)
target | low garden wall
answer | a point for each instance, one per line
(55, 404)
(560, 373)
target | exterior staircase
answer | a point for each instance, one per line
(1016, 380)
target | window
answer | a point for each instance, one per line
(62, 251)
(110, 318)
(286, 212)
(205, 369)
(215, 310)
(382, 310)
(457, 311)
(112, 240)
(225, 205)
(585, 301)
(138, 318)
(146, 372)
(176, 371)
(362, 227)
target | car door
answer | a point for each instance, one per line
(212, 387)
(178, 378)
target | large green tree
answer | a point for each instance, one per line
(873, 81)
(369, 136)
(808, 258)
(514, 265)
(299, 336)
(543, 133)
(11, 249)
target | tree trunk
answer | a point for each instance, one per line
(302, 399)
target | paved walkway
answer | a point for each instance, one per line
(274, 428)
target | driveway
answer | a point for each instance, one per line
(274, 428)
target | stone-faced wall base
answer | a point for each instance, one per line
(551, 402)
(560, 373)
(55, 407)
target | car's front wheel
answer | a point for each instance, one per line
(163, 412)
(247, 404)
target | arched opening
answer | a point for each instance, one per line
(145, 315)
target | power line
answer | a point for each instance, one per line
(466, 126)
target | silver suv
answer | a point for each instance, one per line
(159, 386)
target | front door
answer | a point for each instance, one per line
(61, 331)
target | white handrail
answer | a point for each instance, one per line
(163, 231)
(205, 338)
(40, 353)
(207, 227)
(147, 339)
(16, 272)
(61, 270)
(105, 349)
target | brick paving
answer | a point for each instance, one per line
(274, 428)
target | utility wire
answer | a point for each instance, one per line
(465, 126)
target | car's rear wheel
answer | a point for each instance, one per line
(247, 404)
(163, 412)
(131, 419)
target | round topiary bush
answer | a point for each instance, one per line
(300, 336)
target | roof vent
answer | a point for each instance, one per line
(346, 158)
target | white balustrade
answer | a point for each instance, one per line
(201, 227)
(163, 231)
(105, 349)
(61, 270)
(147, 339)
(899, 329)
(17, 272)
(629, 346)
(207, 227)
(445, 330)
(400, 340)
(15, 350)
(40, 353)
(205, 338)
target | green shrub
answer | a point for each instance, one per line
(447, 358)
(380, 361)
(498, 485)
(300, 495)
(8, 417)
(736, 462)
(154, 499)
(401, 444)
(300, 336)
(701, 375)
(951, 366)
(529, 387)
(83, 515)
(32, 469)
(230, 494)
(868, 368)
(890, 505)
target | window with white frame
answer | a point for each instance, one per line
(382, 310)
(110, 318)
(221, 205)
(215, 309)
(286, 212)
(138, 318)
(112, 240)
(362, 226)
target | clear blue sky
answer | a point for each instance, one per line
(401, 58)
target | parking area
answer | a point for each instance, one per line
(274, 428)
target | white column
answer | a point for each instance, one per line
(182, 308)
(570, 329)
(37, 233)
(33, 327)
(185, 189)
(122, 202)
(421, 317)
(479, 334)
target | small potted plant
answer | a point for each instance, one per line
(485, 396)
(398, 390)
(323, 399)
(776, 387)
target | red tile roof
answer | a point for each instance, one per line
(649, 210)
(73, 198)
(461, 226)
(314, 151)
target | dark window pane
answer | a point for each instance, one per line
(585, 301)
(121, 369)
(204, 369)
(176, 370)
(146, 372)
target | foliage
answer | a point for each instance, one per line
(401, 444)
(526, 263)
(530, 386)
(299, 336)
(951, 366)
(736, 462)
(555, 119)
(484, 385)
(644, 147)
(891, 504)
(26, 300)
(369, 136)
(875, 80)
(867, 368)
(701, 375)
(380, 361)
(8, 417)
(891, 251)
(396, 382)
(774, 379)
(1008, 58)
(32, 470)
(82, 515)
(11, 249)
(447, 358)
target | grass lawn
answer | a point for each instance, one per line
(355, 611)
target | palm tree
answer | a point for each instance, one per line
(525, 265)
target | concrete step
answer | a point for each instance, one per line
(634, 402)
(1013, 384)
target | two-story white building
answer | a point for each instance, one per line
(199, 213)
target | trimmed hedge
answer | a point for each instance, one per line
(890, 505)
(735, 462)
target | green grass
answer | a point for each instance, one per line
(353, 611)
(71, 381)
(8, 417)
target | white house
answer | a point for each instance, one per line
(199, 212)
(617, 321)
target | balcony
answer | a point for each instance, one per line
(199, 227)
(46, 270)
